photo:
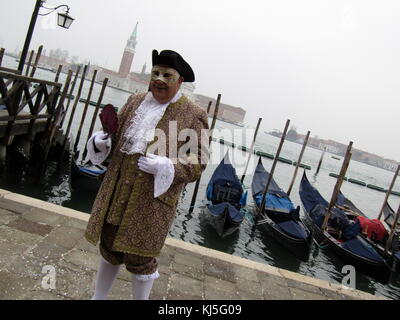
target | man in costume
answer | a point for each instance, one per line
(137, 200)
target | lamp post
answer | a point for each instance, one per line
(64, 21)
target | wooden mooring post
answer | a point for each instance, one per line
(320, 161)
(94, 118)
(58, 73)
(56, 119)
(71, 117)
(251, 150)
(71, 94)
(271, 174)
(39, 54)
(78, 136)
(298, 163)
(196, 187)
(338, 185)
(389, 191)
(28, 66)
(209, 107)
(2, 50)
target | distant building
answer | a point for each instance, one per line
(129, 53)
(225, 112)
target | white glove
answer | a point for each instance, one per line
(152, 163)
(102, 142)
(98, 147)
(162, 169)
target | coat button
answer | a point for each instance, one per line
(126, 181)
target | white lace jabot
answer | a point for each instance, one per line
(141, 130)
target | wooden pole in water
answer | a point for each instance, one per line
(2, 50)
(58, 73)
(196, 187)
(208, 108)
(298, 163)
(389, 191)
(78, 95)
(338, 185)
(70, 94)
(251, 150)
(57, 117)
(214, 120)
(95, 115)
(39, 53)
(391, 234)
(264, 197)
(85, 110)
(320, 161)
(29, 63)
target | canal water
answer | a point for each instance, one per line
(247, 242)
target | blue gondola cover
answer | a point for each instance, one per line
(292, 228)
(361, 248)
(93, 172)
(225, 176)
(275, 202)
(219, 209)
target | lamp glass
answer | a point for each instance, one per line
(64, 20)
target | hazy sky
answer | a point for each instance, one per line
(331, 67)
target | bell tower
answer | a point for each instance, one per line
(129, 53)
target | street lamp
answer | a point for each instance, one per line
(64, 21)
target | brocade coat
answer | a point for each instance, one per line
(126, 195)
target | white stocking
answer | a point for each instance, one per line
(141, 286)
(106, 275)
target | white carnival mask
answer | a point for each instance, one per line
(164, 74)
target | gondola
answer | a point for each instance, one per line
(226, 199)
(341, 235)
(84, 177)
(389, 217)
(376, 239)
(280, 218)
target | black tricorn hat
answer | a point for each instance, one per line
(174, 60)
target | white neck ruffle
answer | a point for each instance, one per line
(142, 128)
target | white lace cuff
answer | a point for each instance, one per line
(164, 177)
(147, 277)
(97, 157)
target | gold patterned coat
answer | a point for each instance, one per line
(126, 195)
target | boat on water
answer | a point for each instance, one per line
(372, 230)
(342, 235)
(279, 218)
(84, 177)
(226, 199)
(389, 218)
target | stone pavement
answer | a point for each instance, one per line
(40, 240)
